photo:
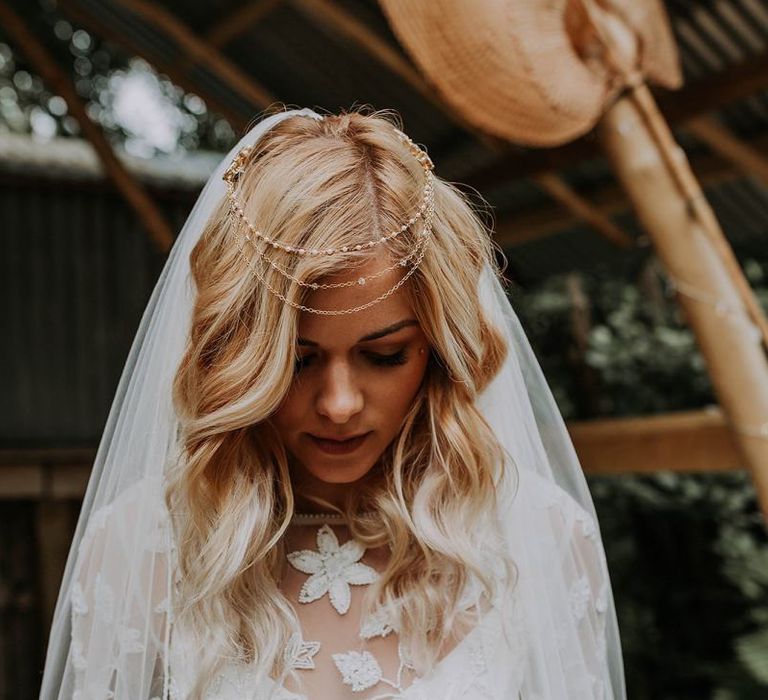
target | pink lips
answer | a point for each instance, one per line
(338, 447)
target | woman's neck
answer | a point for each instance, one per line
(311, 493)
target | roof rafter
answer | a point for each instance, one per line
(542, 221)
(721, 140)
(200, 52)
(239, 21)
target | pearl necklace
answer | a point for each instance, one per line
(320, 518)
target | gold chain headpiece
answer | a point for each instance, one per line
(253, 236)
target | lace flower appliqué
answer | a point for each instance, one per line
(301, 654)
(580, 594)
(376, 624)
(359, 669)
(333, 569)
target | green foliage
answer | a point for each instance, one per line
(688, 553)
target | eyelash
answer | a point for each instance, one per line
(397, 358)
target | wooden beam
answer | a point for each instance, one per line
(46, 456)
(46, 473)
(735, 83)
(44, 64)
(582, 209)
(516, 228)
(689, 441)
(519, 164)
(199, 52)
(55, 482)
(731, 148)
(239, 21)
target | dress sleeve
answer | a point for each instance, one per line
(120, 600)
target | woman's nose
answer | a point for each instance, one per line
(340, 398)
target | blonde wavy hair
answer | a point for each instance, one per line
(320, 184)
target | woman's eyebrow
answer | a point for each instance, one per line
(389, 329)
(371, 336)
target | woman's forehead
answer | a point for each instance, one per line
(393, 314)
(350, 328)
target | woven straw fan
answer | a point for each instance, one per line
(543, 72)
(530, 71)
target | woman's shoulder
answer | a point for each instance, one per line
(139, 506)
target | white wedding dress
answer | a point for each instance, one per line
(340, 655)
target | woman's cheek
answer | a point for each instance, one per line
(397, 392)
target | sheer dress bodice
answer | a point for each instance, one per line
(340, 656)
(344, 655)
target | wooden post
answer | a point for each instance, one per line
(55, 523)
(712, 300)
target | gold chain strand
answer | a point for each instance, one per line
(403, 262)
(314, 285)
(237, 167)
(425, 235)
(237, 208)
(336, 312)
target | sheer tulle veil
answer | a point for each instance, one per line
(112, 625)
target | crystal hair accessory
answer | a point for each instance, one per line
(254, 236)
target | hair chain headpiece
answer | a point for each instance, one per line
(254, 236)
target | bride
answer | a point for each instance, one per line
(333, 468)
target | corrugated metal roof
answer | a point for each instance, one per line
(76, 271)
(71, 158)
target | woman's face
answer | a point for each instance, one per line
(355, 379)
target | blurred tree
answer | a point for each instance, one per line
(688, 553)
(137, 107)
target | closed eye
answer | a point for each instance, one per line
(380, 360)
(397, 358)
(302, 362)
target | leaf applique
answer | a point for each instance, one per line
(359, 669)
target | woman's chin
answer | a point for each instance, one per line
(338, 473)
